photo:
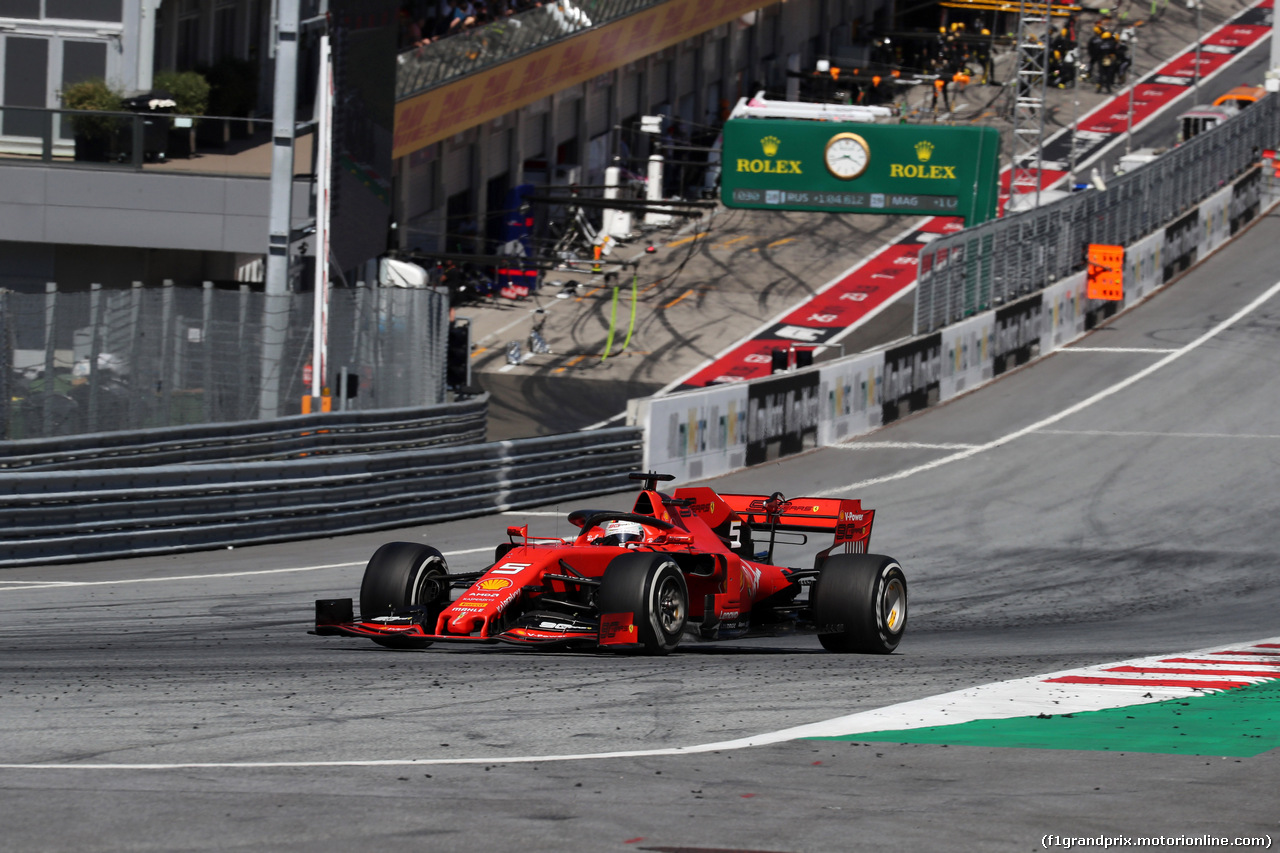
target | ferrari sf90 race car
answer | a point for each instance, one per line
(683, 566)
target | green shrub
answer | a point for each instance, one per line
(188, 88)
(92, 94)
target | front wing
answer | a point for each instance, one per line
(335, 617)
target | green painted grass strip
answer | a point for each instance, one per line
(1239, 723)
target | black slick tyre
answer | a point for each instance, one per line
(860, 604)
(399, 576)
(652, 589)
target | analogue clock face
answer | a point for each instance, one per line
(847, 156)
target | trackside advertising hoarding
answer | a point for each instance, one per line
(1215, 220)
(1143, 271)
(698, 434)
(857, 167)
(722, 428)
(966, 350)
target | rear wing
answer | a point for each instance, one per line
(846, 519)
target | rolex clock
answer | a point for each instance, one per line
(847, 156)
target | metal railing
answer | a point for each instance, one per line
(146, 358)
(448, 58)
(63, 516)
(998, 261)
(159, 142)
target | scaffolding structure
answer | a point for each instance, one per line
(1030, 82)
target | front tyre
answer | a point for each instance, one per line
(652, 589)
(400, 576)
(860, 604)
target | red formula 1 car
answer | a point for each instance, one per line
(676, 566)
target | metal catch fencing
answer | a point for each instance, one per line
(153, 357)
(62, 516)
(999, 261)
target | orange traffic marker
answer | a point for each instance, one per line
(1106, 272)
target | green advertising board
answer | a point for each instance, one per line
(857, 167)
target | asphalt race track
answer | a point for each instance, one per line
(1115, 500)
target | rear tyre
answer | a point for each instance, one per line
(651, 588)
(860, 604)
(401, 575)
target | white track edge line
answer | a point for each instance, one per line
(1070, 410)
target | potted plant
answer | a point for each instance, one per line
(94, 135)
(191, 92)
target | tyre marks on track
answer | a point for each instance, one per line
(839, 306)
(931, 720)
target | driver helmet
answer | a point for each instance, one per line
(622, 532)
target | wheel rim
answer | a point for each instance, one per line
(427, 586)
(894, 605)
(670, 606)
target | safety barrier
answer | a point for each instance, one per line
(299, 436)
(61, 516)
(998, 261)
(713, 431)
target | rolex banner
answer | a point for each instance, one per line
(849, 167)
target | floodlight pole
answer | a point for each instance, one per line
(1274, 75)
(275, 311)
(324, 173)
(1075, 126)
(1133, 92)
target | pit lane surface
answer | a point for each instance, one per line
(1140, 524)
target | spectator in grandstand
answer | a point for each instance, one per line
(461, 17)
(412, 29)
(444, 18)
